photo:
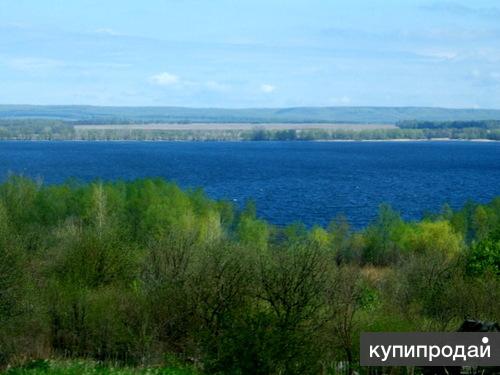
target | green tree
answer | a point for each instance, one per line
(484, 255)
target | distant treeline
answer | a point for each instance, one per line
(43, 129)
(371, 134)
(36, 129)
(487, 124)
(143, 273)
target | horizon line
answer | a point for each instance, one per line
(254, 108)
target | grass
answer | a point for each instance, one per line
(85, 367)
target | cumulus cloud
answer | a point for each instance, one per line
(165, 79)
(267, 88)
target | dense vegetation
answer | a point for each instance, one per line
(36, 129)
(43, 129)
(374, 134)
(142, 274)
(489, 124)
(89, 367)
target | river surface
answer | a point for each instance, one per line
(311, 182)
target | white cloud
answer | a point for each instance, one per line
(267, 88)
(165, 79)
(169, 79)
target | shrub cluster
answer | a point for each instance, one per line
(144, 273)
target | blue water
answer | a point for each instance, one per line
(310, 182)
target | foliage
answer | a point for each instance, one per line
(137, 273)
(39, 367)
(484, 255)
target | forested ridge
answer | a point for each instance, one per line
(143, 273)
(86, 114)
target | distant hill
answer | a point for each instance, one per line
(95, 114)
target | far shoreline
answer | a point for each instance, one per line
(408, 140)
(402, 140)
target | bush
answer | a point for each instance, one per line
(138, 273)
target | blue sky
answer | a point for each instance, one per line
(259, 53)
